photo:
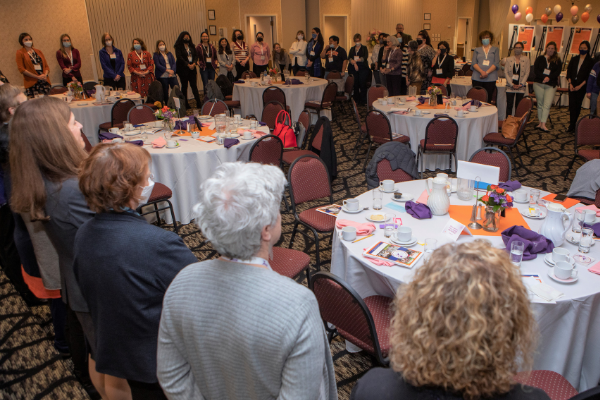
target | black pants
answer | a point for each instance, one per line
(404, 86)
(360, 84)
(239, 68)
(120, 84)
(575, 101)
(9, 256)
(190, 78)
(394, 84)
(488, 86)
(510, 101)
(166, 83)
(77, 345)
(146, 391)
(259, 69)
(68, 80)
(282, 68)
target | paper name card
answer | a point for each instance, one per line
(473, 171)
(453, 229)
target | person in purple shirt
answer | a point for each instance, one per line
(113, 63)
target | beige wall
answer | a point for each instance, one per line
(227, 15)
(443, 20)
(261, 7)
(336, 26)
(45, 21)
(293, 20)
(313, 16)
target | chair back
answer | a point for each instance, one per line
(442, 88)
(374, 93)
(304, 119)
(587, 131)
(120, 110)
(468, 73)
(524, 106)
(273, 93)
(318, 139)
(90, 86)
(58, 90)
(496, 158)
(441, 132)
(329, 95)
(301, 73)
(590, 394)
(378, 126)
(213, 107)
(384, 171)
(140, 115)
(309, 180)
(349, 85)
(88, 145)
(461, 73)
(267, 150)
(477, 93)
(269, 114)
(341, 306)
(248, 74)
(334, 75)
(466, 67)
(597, 200)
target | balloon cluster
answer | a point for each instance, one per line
(557, 10)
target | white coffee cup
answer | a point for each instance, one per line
(248, 135)
(171, 143)
(564, 270)
(590, 216)
(158, 124)
(349, 233)
(114, 130)
(520, 195)
(352, 204)
(559, 254)
(404, 234)
(387, 185)
(418, 112)
(473, 108)
(460, 113)
(128, 127)
(117, 140)
(195, 134)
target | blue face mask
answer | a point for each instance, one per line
(66, 44)
(314, 35)
(400, 39)
(583, 52)
(332, 46)
(137, 46)
(485, 41)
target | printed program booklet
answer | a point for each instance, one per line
(397, 254)
(332, 209)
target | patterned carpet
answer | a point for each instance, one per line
(30, 368)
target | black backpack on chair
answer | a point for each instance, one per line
(225, 85)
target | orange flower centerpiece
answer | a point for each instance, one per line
(166, 114)
(495, 200)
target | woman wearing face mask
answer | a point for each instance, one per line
(227, 61)
(578, 73)
(113, 63)
(313, 53)
(187, 59)
(443, 66)
(298, 53)
(69, 60)
(241, 51)
(393, 69)
(485, 65)
(381, 60)
(373, 59)
(516, 69)
(164, 62)
(547, 69)
(141, 67)
(32, 64)
(260, 54)
(358, 58)
(125, 297)
(427, 54)
(281, 61)
(207, 59)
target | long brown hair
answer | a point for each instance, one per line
(554, 57)
(62, 48)
(41, 146)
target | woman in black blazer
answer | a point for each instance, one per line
(578, 73)
(187, 58)
(443, 66)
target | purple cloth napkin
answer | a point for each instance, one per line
(297, 82)
(240, 81)
(510, 186)
(262, 123)
(595, 228)
(228, 142)
(534, 242)
(417, 210)
(439, 115)
(91, 93)
(136, 142)
(182, 124)
(421, 99)
(104, 135)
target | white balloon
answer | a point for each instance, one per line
(529, 17)
(557, 9)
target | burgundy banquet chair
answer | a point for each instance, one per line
(140, 115)
(441, 136)
(494, 157)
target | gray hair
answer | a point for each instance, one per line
(236, 203)
(393, 40)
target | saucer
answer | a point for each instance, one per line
(243, 138)
(527, 215)
(384, 191)
(344, 209)
(411, 242)
(426, 112)
(405, 197)
(132, 133)
(557, 279)
(550, 261)
(173, 147)
(569, 238)
(377, 221)
(204, 117)
(233, 136)
(520, 202)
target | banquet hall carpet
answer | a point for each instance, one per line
(30, 368)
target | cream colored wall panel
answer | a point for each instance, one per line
(293, 15)
(384, 16)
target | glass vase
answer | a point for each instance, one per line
(491, 220)
(433, 100)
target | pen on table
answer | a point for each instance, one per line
(358, 240)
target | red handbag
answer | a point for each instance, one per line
(284, 130)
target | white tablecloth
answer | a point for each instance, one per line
(295, 96)
(461, 86)
(91, 116)
(471, 130)
(568, 341)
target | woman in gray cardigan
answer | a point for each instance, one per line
(226, 60)
(516, 69)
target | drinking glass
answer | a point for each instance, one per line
(390, 224)
(430, 245)
(587, 237)
(578, 222)
(534, 196)
(465, 189)
(168, 134)
(516, 252)
(377, 199)
(220, 124)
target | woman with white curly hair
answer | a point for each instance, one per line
(231, 328)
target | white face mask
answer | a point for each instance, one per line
(108, 43)
(161, 48)
(300, 37)
(28, 44)
(146, 192)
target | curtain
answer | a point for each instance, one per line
(498, 10)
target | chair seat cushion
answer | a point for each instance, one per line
(160, 192)
(497, 137)
(107, 125)
(589, 154)
(317, 106)
(289, 156)
(431, 147)
(320, 221)
(232, 103)
(400, 139)
(289, 262)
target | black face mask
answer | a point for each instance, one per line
(186, 40)
(259, 39)
(442, 51)
(239, 37)
(420, 41)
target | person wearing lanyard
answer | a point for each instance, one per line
(165, 68)
(359, 68)
(260, 54)
(578, 72)
(141, 67)
(113, 63)
(283, 352)
(313, 50)
(381, 60)
(298, 53)
(485, 65)
(516, 69)
(32, 64)
(443, 66)
(240, 50)
(226, 60)
(337, 59)
(393, 68)
(187, 59)
(207, 60)
(69, 60)
(547, 69)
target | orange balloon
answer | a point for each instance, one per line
(585, 16)
(529, 10)
(544, 18)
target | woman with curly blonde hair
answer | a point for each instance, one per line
(461, 329)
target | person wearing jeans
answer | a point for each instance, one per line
(207, 60)
(546, 68)
(592, 88)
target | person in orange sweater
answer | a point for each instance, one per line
(32, 64)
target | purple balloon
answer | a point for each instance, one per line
(559, 16)
(515, 8)
(598, 18)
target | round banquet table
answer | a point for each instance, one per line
(462, 84)
(185, 168)
(296, 96)
(471, 130)
(568, 342)
(91, 116)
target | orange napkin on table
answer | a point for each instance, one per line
(462, 214)
(362, 228)
(428, 107)
(159, 142)
(181, 132)
(568, 203)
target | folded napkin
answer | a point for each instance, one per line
(410, 98)
(136, 142)
(91, 93)
(258, 134)
(423, 197)
(262, 123)
(379, 262)
(103, 135)
(297, 82)
(534, 242)
(546, 292)
(159, 143)
(592, 207)
(418, 211)
(468, 103)
(228, 142)
(595, 228)
(182, 124)
(131, 93)
(138, 125)
(362, 229)
(240, 81)
(595, 269)
(421, 99)
(510, 186)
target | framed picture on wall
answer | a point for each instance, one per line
(427, 26)
(212, 30)
(211, 14)
(426, 16)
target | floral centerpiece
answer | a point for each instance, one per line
(273, 72)
(166, 114)
(495, 200)
(435, 93)
(76, 89)
(373, 38)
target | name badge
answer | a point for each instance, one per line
(356, 58)
(262, 58)
(330, 59)
(207, 59)
(312, 53)
(516, 79)
(486, 63)
(142, 66)
(113, 55)
(546, 71)
(37, 67)
(438, 71)
(383, 63)
(190, 59)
